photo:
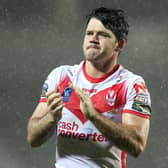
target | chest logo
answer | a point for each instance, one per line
(66, 94)
(110, 97)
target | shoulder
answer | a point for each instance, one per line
(136, 87)
(66, 69)
(60, 73)
(130, 77)
(133, 82)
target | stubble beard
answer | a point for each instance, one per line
(92, 56)
(99, 60)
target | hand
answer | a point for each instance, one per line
(86, 105)
(55, 103)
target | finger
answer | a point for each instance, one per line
(53, 91)
(50, 93)
(57, 88)
(56, 102)
(78, 91)
(57, 112)
(52, 97)
(59, 107)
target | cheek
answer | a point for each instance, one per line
(108, 49)
(111, 46)
(84, 45)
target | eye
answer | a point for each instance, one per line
(104, 34)
(89, 33)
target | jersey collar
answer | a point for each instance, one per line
(96, 80)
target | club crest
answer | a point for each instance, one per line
(110, 97)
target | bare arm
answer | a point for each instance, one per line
(130, 135)
(42, 123)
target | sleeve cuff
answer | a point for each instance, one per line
(136, 113)
(43, 100)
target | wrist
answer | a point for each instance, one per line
(94, 115)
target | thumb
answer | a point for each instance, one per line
(57, 88)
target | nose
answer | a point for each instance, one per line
(94, 38)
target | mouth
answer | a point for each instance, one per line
(93, 47)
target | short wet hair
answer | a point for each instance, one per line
(113, 19)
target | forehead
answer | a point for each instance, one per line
(96, 25)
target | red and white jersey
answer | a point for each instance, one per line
(79, 144)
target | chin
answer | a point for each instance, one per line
(91, 56)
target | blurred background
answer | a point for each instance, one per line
(36, 36)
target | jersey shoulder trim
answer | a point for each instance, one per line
(136, 113)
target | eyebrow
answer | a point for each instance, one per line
(99, 32)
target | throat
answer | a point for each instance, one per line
(99, 70)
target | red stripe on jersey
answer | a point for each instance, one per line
(43, 100)
(123, 159)
(136, 113)
(73, 103)
(140, 87)
(64, 83)
(110, 98)
(96, 80)
(74, 106)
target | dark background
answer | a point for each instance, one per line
(38, 35)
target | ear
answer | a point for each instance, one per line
(121, 44)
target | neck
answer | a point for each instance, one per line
(99, 69)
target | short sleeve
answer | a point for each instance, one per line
(138, 100)
(50, 83)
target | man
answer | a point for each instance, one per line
(99, 110)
